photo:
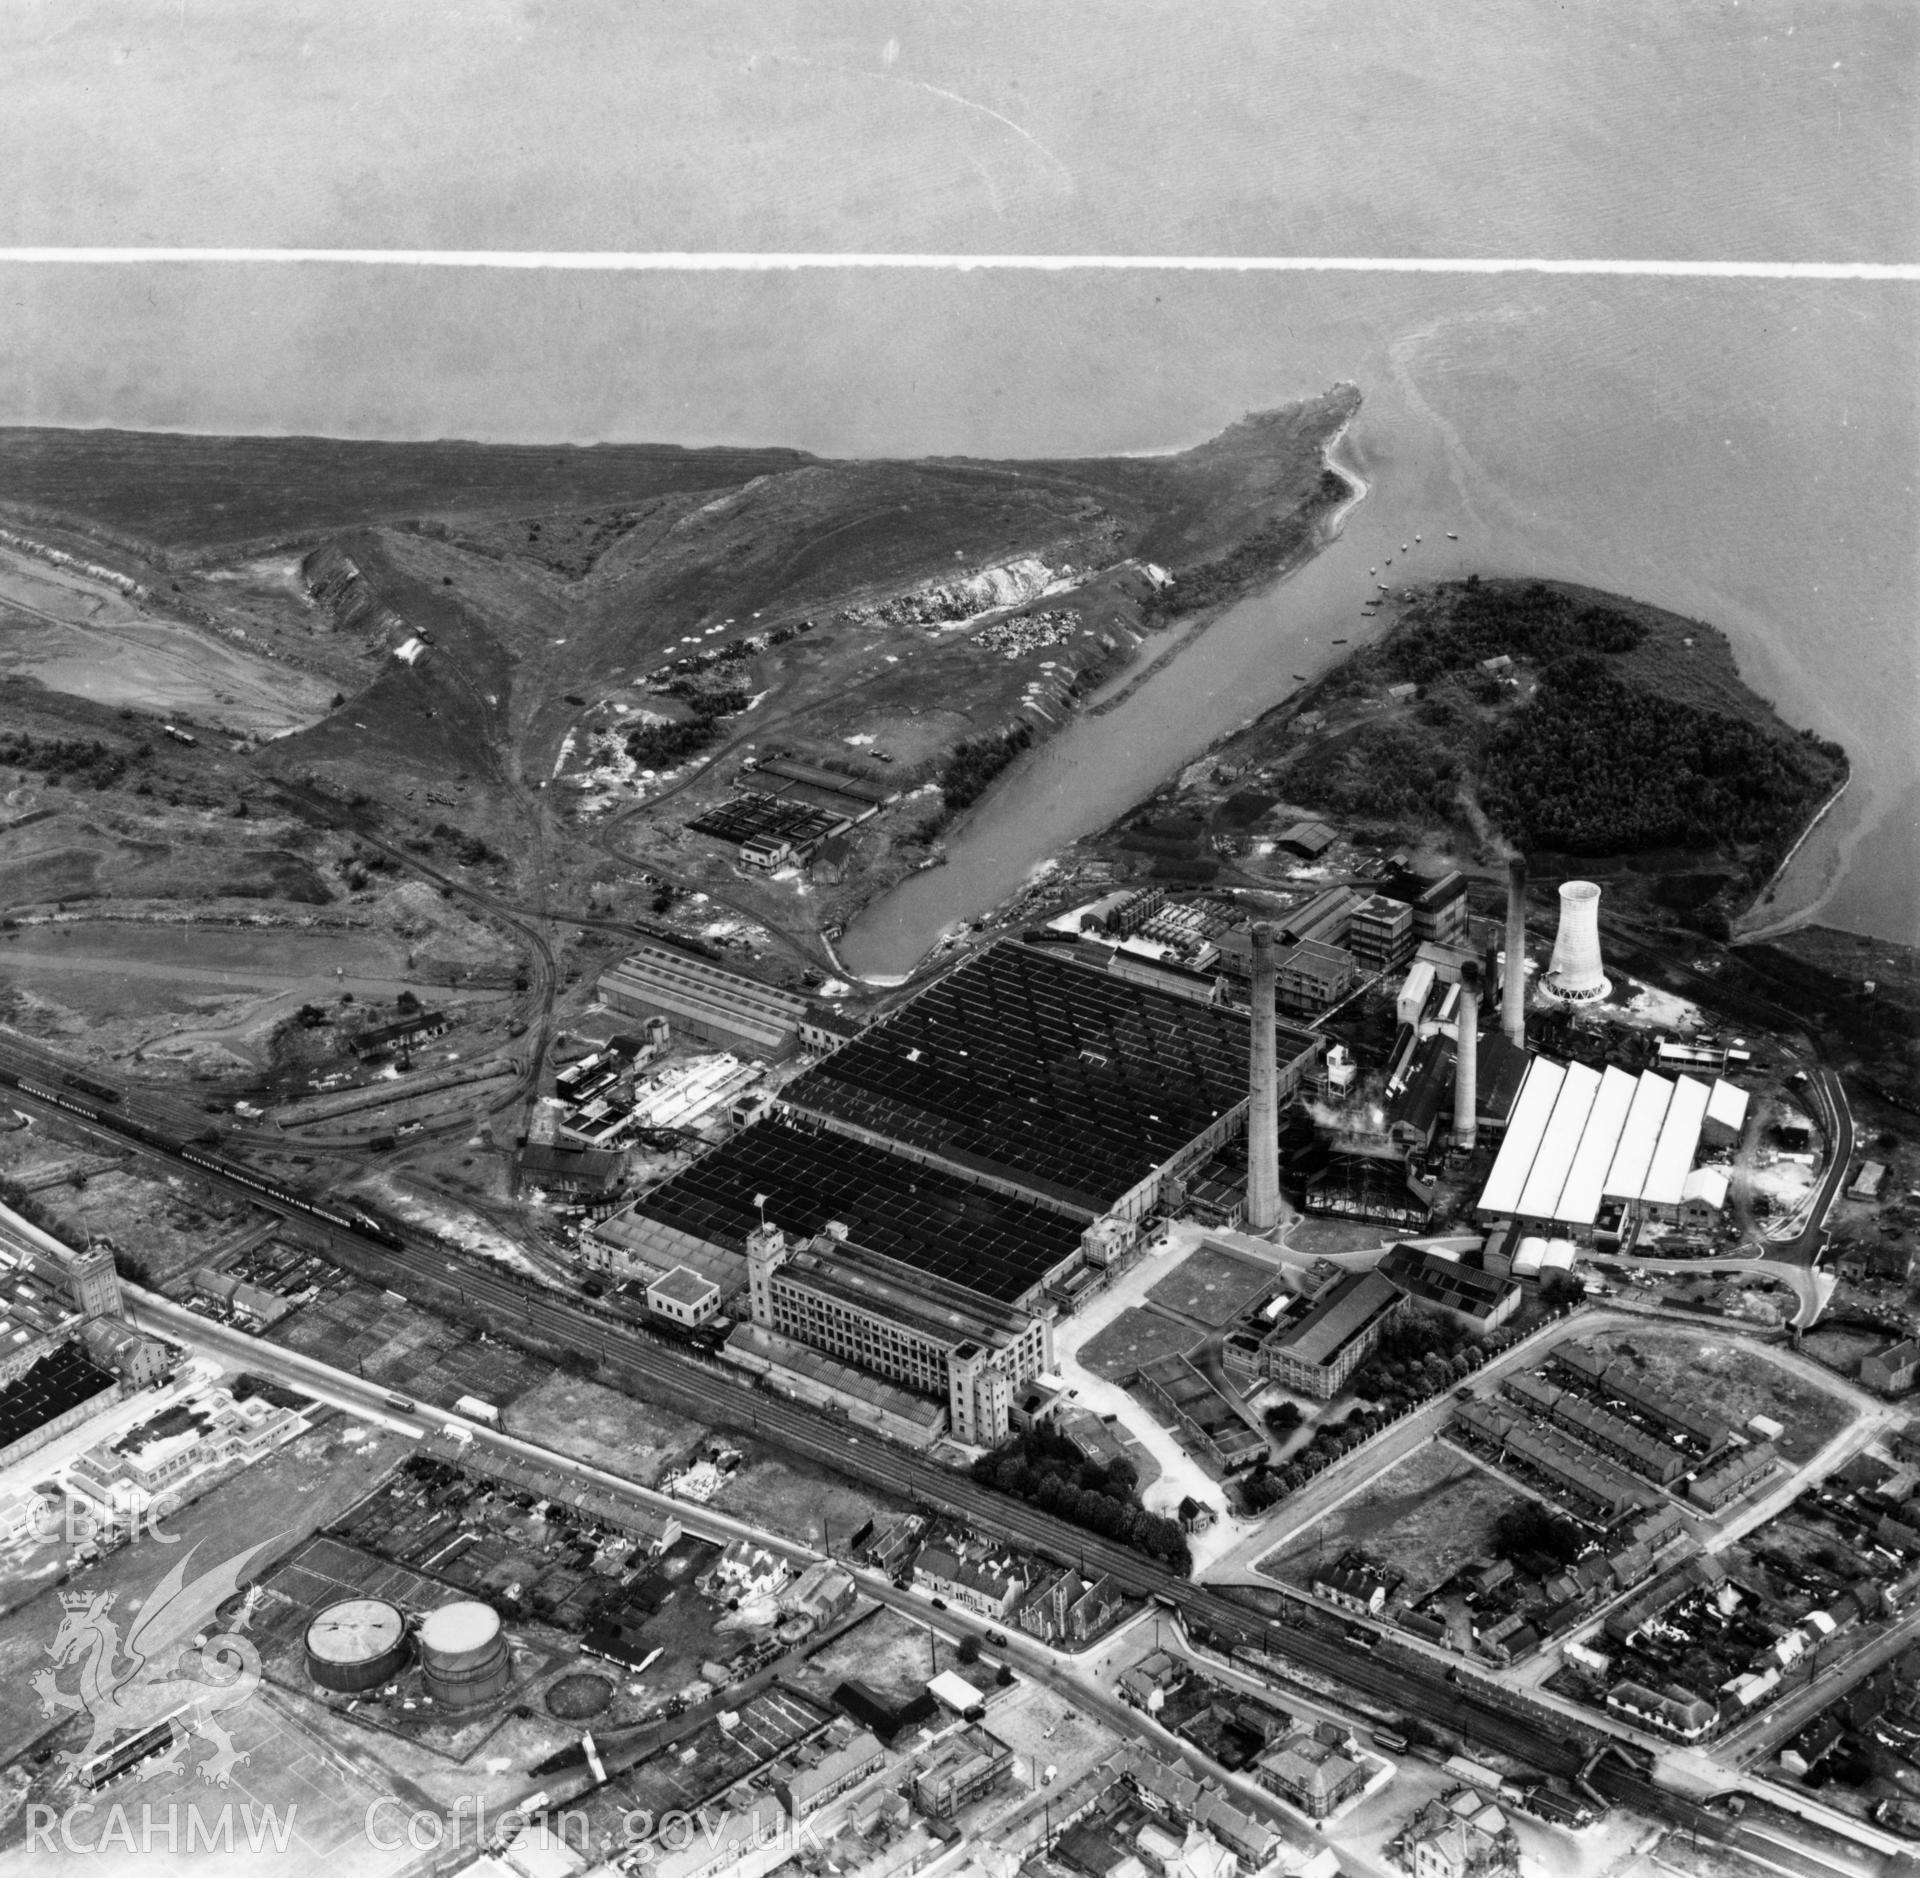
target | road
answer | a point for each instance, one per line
(1397, 1680)
(370, 1401)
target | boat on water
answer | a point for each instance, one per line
(1301, 677)
(1403, 547)
(1339, 642)
(1451, 536)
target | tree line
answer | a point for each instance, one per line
(1048, 1471)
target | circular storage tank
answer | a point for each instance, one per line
(356, 1645)
(463, 1654)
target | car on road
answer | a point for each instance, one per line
(998, 1638)
(939, 1604)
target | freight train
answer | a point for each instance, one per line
(196, 1155)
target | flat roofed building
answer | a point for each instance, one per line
(1050, 1079)
(938, 1338)
(1580, 1197)
(958, 1771)
(1380, 933)
(1638, 1138)
(1526, 1129)
(703, 999)
(1439, 903)
(1540, 1197)
(1318, 1354)
(683, 1295)
(1314, 974)
(1673, 1154)
(1206, 1419)
(791, 1367)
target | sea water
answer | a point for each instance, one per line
(1744, 451)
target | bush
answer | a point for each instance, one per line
(973, 765)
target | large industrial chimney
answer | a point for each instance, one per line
(1575, 977)
(1513, 977)
(1466, 1059)
(1263, 1110)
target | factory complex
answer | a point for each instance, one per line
(920, 1204)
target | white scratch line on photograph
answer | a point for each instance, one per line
(745, 263)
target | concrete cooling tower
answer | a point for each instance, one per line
(1575, 975)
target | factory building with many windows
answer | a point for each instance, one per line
(939, 1339)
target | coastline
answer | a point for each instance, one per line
(1792, 921)
(1325, 533)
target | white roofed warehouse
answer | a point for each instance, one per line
(1603, 1151)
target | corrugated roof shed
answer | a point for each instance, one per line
(1540, 1197)
(1532, 1110)
(1579, 1202)
(1638, 1139)
(1679, 1138)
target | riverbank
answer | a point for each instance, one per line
(1326, 531)
(1240, 655)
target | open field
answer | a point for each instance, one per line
(1735, 1381)
(1212, 1286)
(636, 1440)
(891, 1656)
(1426, 1516)
(1133, 1339)
(1047, 1732)
(1842, 1349)
(806, 1504)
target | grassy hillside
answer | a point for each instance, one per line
(585, 651)
(181, 493)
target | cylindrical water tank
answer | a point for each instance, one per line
(356, 1645)
(463, 1654)
(1575, 976)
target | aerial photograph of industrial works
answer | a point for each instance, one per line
(960, 941)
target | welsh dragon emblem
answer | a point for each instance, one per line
(157, 1671)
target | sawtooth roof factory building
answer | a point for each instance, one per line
(1002, 1135)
